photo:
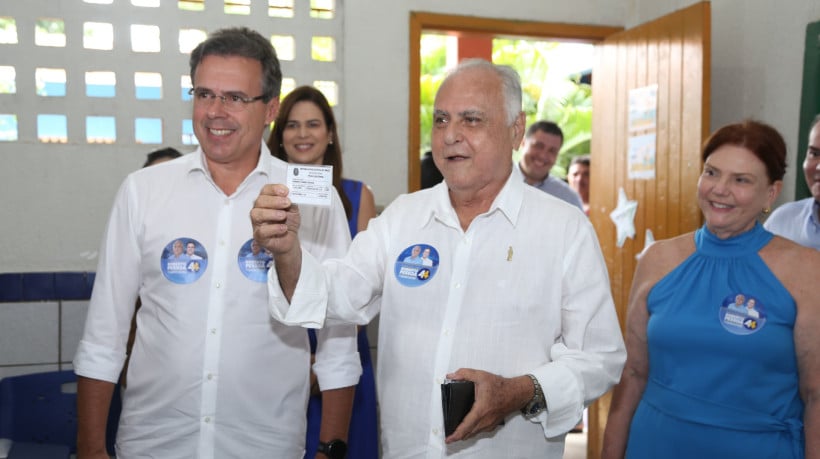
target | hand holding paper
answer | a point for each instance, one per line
(311, 185)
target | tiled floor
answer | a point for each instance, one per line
(576, 446)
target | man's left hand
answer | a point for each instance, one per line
(495, 398)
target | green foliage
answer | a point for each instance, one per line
(322, 49)
(427, 93)
(433, 71)
(433, 54)
(51, 26)
(546, 95)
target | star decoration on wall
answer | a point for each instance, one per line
(649, 239)
(624, 217)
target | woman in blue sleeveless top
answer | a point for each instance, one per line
(307, 135)
(721, 331)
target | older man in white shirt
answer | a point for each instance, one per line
(517, 299)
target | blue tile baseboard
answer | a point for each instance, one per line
(45, 286)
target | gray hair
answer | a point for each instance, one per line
(243, 42)
(510, 84)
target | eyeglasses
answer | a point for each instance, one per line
(231, 102)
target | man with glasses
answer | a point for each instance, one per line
(210, 375)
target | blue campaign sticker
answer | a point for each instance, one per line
(184, 260)
(416, 265)
(254, 261)
(742, 314)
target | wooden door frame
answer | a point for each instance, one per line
(421, 21)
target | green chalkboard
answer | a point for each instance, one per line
(809, 102)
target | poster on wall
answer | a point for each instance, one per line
(642, 123)
(643, 108)
(641, 156)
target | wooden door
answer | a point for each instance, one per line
(671, 52)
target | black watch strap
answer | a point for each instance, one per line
(334, 449)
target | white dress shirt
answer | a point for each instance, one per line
(554, 186)
(523, 290)
(210, 374)
(797, 221)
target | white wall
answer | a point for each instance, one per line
(55, 199)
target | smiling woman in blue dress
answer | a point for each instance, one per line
(703, 380)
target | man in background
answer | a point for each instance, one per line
(800, 220)
(539, 152)
(578, 178)
(160, 156)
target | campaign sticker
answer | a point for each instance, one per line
(254, 261)
(416, 265)
(183, 260)
(742, 314)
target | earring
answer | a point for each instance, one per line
(767, 210)
(281, 146)
(330, 142)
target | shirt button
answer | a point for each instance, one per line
(210, 376)
(446, 332)
(458, 284)
(213, 331)
(219, 285)
(222, 243)
(435, 431)
(207, 419)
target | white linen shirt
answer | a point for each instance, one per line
(797, 221)
(210, 375)
(554, 186)
(523, 290)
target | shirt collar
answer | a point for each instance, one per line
(263, 165)
(508, 202)
(510, 199)
(519, 174)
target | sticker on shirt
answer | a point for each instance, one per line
(254, 261)
(416, 265)
(184, 260)
(742, 314)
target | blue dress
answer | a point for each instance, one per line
(722, 381)
(363, 436)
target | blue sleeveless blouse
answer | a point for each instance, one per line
(723, 377)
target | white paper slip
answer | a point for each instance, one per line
(311, 185)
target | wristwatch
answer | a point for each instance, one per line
(538, 403)
(334, 449)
